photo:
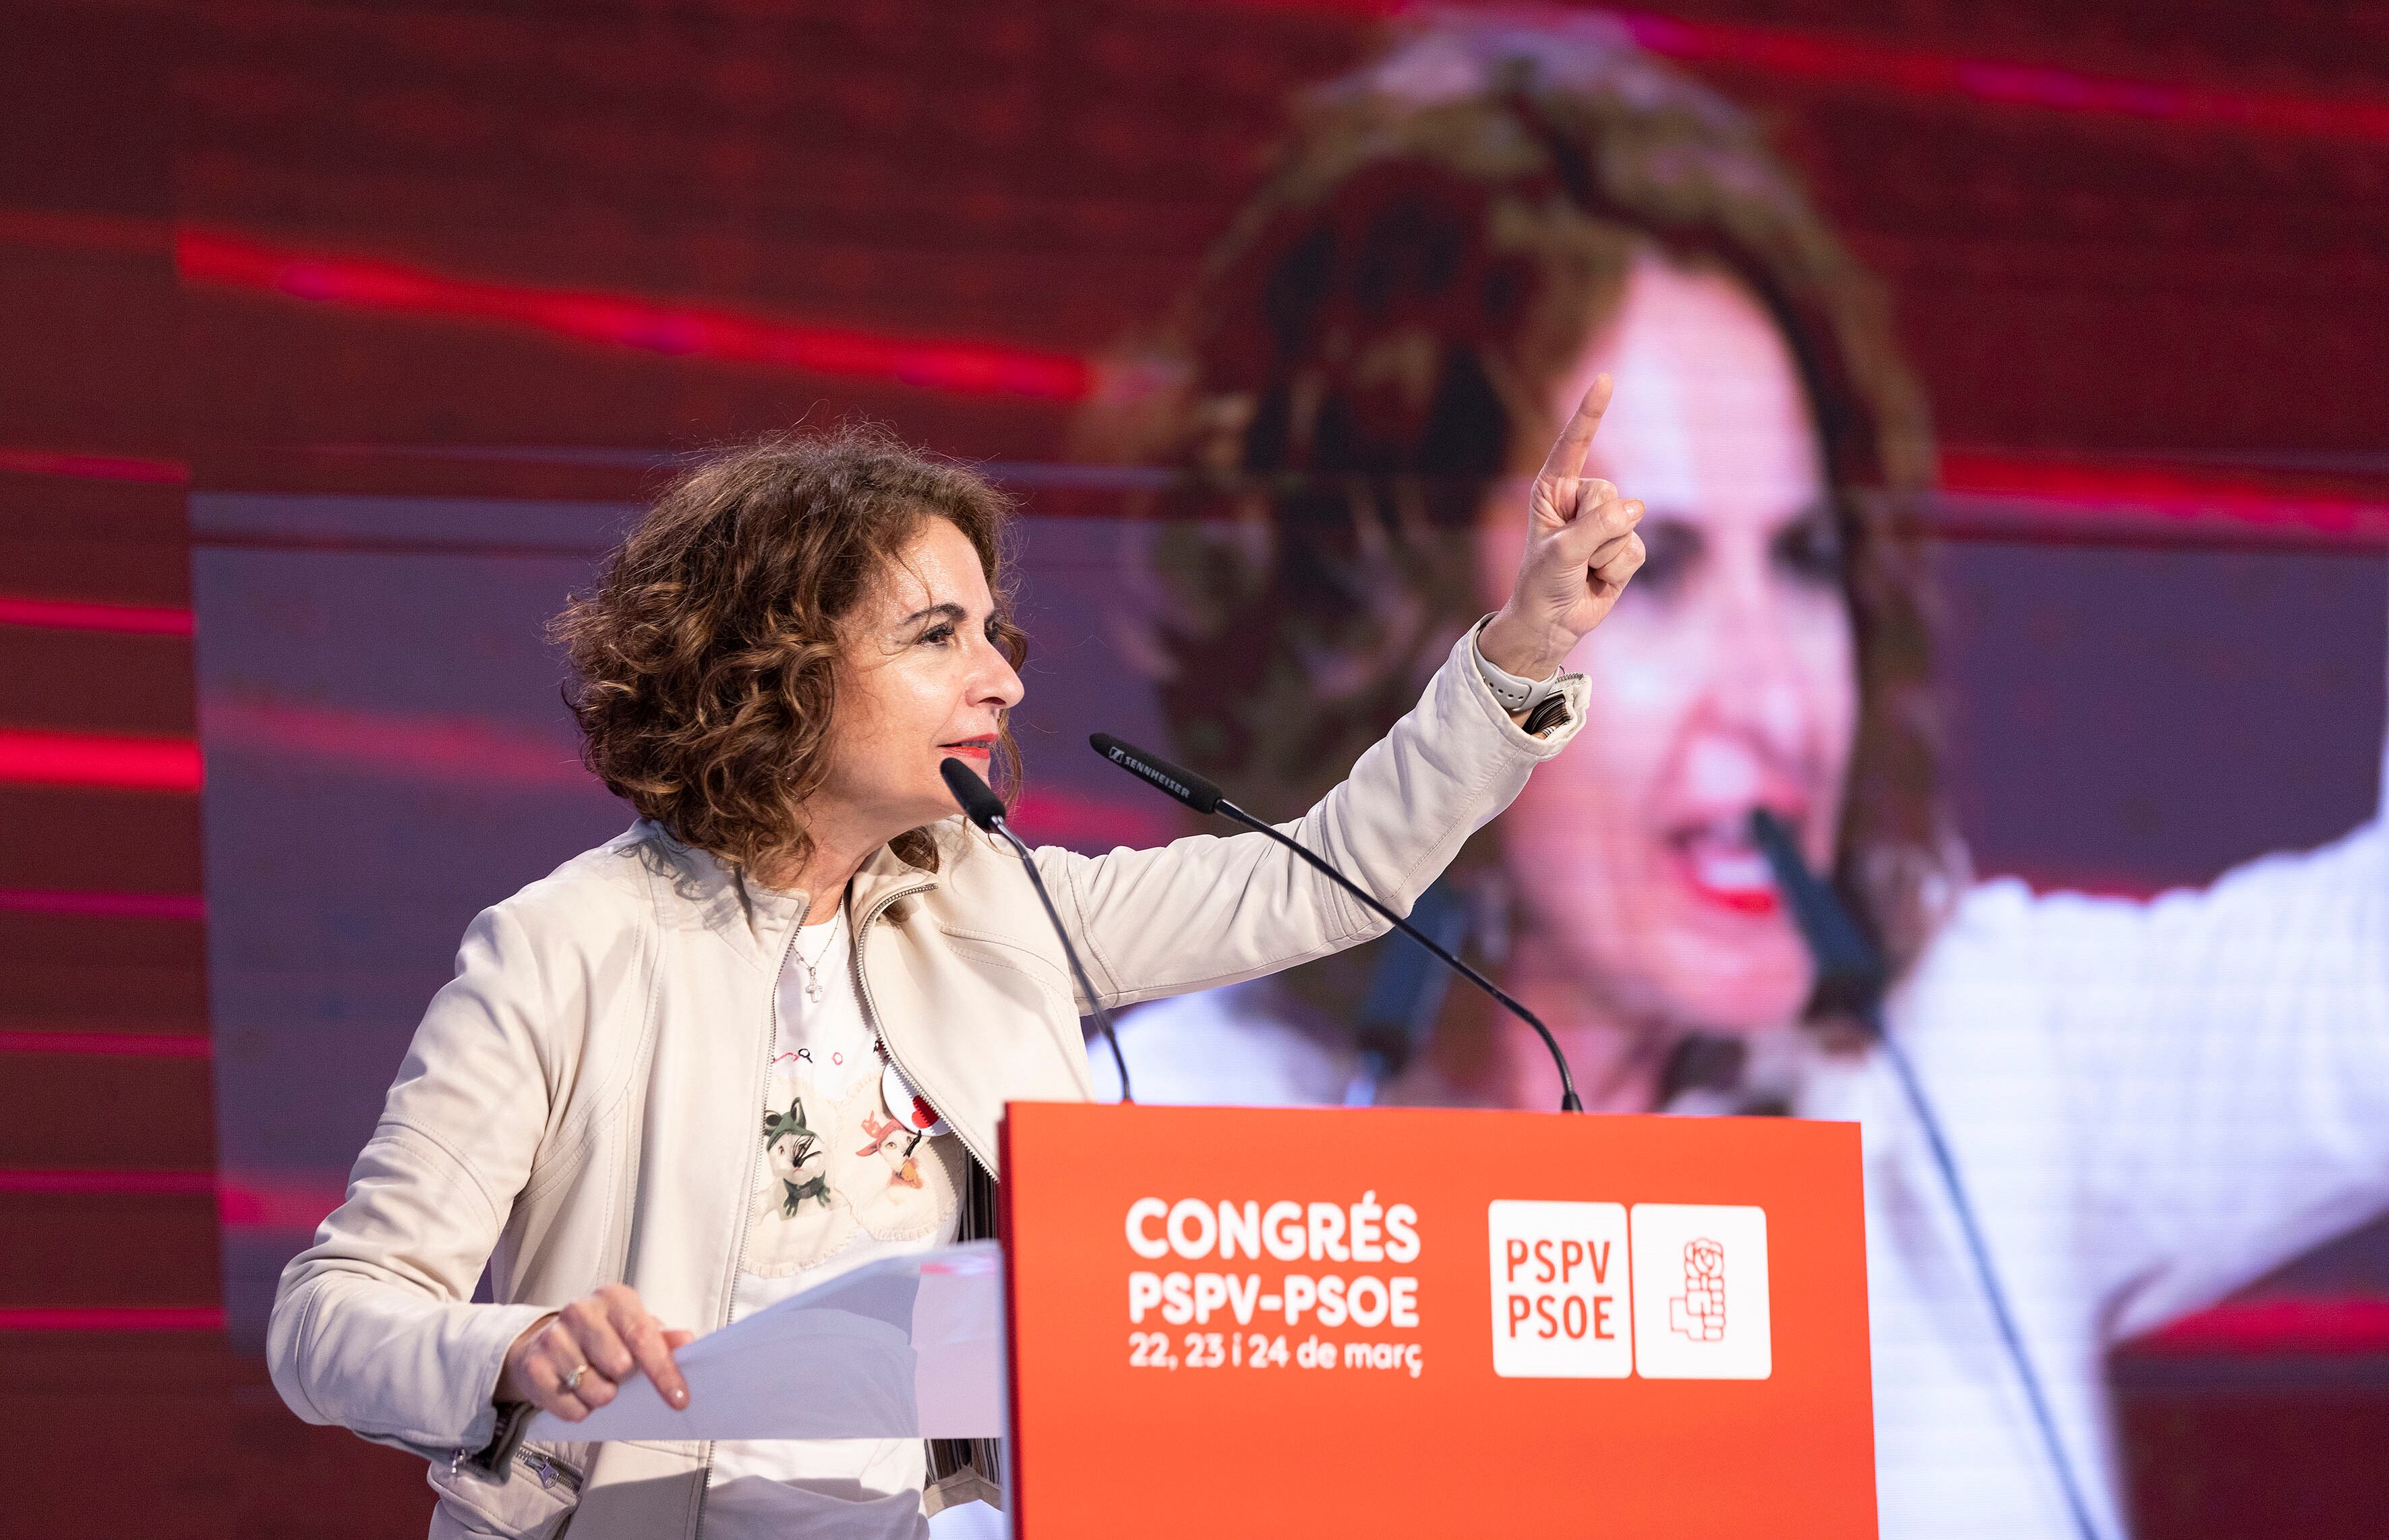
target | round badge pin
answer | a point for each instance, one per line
(910, 1107)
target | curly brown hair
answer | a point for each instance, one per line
(1375, 340)
(705, 661)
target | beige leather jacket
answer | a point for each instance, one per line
(579, 1106)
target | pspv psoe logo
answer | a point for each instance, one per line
(1667, 1291)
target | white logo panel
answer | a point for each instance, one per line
(1700, 1279)
(1561, 1307)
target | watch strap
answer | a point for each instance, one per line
(1513, 693)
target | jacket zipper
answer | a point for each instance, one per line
(550, 1471)
(747, 1193)
(879, 1029)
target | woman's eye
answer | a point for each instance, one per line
(1812, 549)
(1669, 549)
(938, 636)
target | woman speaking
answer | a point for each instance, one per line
(2150, 1103)
(677, 1080)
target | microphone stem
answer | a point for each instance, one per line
(1569, 1101)
(1078, 971)
(1979, 1251)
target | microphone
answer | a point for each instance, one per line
(1850, 972)
(1405, 993)
(1850, 980)
(1195, 791)
(983, 808)
(976, 797)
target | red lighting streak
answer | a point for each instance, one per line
(1059, 816)
(228, 259)
(112, 1317)
(1841, 60)
(296, 1203)
(120, 1045)
(170, 1183)
(2056, 493)
(31, 757)
(408, 747)
(92, 467)
(74, 614)
(256, 1201)
(2268, 1325)
(103, 906)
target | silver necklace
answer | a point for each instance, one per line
(813, 986)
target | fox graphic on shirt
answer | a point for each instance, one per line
(838, 1165)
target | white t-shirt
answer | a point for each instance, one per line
(843, 1180)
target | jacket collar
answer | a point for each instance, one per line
(887, 875)
(757, 919)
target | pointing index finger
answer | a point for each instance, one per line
(1567, 455)
(652, 1348)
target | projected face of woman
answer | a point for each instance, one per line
(1723, 680)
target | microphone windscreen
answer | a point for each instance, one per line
(977, 799)
(1850, 972)
(1183, 784)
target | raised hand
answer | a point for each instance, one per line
(574, 1361)
(1581, 548)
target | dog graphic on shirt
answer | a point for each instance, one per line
(836, 1166)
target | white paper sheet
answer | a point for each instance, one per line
(903, 1347)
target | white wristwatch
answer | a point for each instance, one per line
(1515, 693)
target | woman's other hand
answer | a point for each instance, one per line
(605, 1337)
(1580, 549)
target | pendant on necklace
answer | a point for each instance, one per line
(814, 987)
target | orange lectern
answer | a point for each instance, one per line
(1397, 1323)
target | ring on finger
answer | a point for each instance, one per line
(572, 1380)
